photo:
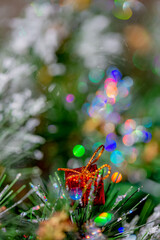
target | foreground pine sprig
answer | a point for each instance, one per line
(52, 205)
(45, 213)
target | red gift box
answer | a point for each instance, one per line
(81, 180)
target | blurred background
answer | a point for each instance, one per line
(76, 74)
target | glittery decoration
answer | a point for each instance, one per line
(75, 193)
(85, 176)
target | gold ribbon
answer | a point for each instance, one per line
(85, 173)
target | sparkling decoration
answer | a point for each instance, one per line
(116, 177)
(78, 151)
(57, 46)
(57, 225)
(84, 177)
(92, 232)
(103, 219)
(75, 193)
(70, 98)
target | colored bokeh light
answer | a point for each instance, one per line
(70, 98)
(129, 125)
(75, 193)
(52, 129)
(92, 112)
(137, 135)
(114, 117)
(96, 145)
(99, 101)
(85, 107)
(116, 74)
(78, 151)
(128, 139)
(110, 136)
(119, 3)
(123, 92)
(133, 155)
(82, 87)
(147, 122)
(109, 127)
(111, 101)
(123, 13)
(116, 177)
(111, 90)
(107, 105)
(113, 72)
(121, 229)
(147, 136)
(108, 81)
(96, 75)
(116, 157)
(128, 82)
(110, 145)
(109, 108)
(103, 219)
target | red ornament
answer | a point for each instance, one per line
(83, 178)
